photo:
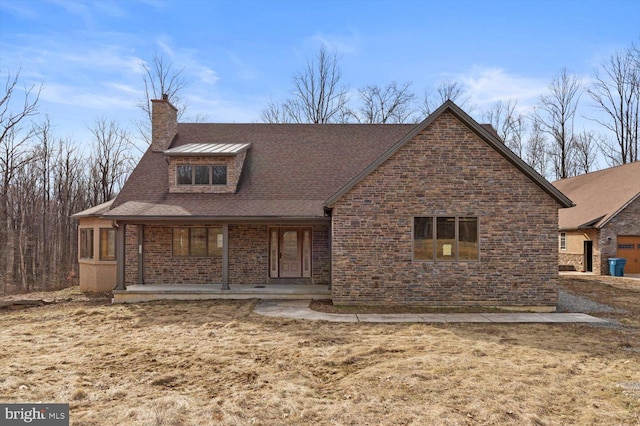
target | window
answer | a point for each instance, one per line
(86, 244)
(197, 242)
(563, 241)
(445, 238)
(187, 174)
(107, 244)
(219, 175)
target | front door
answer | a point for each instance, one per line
(289, 252)
(588, 256)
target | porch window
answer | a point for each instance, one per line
(563, 241)
(198, 242)
(448, 238)
(107, 244)
(86, 244)
(187, 174)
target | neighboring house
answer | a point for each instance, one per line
(605, 222)
(96, 249)
(438, 213)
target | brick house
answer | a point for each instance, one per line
(438, 213)
(605, 222)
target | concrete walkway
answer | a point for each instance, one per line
(299, 309)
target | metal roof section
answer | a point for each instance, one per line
(207, 149)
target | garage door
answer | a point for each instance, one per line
(629, 248)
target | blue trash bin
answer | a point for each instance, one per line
(613, 261)
(616, 266)
(620, 267)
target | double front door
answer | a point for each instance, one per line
(289, 252)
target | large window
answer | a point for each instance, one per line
(86, 243)
(197, 242)
(445, 238)
(107, 244)
(187, 174)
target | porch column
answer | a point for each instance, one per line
(120, 256)
(225, 257)
(141, 254)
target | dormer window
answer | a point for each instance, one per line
(190, 174)
(205, 168)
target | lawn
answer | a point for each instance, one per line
(198, 363)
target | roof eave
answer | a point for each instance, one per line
(215, 219)
(614, 214)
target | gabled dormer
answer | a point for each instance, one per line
(205, 168)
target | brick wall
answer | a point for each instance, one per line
(164, 124)
(160, 266)
(627, 222)
(131, 254)
(248, 257)
(248, 254)
(447, 171)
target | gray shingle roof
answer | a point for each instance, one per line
(599, 196)
(290, 169)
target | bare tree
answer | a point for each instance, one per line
(160, 78)
(318, 96)
(616, 92)
(508, 123)
(555, 115)
(447, 90)
(535, 153)
(390, 104)
(110, 162)
(586, 143)
(14, 136)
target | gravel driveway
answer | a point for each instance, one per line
(568, 302)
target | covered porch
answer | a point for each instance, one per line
(145, 293)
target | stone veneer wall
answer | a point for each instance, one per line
(627, 222)
(446, 171)
(248, 257)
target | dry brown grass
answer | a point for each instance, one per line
(219, 363)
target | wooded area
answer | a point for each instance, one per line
(44, 179)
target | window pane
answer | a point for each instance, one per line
(423, 238)
(446, 238)
(215, 242)
(183, 175)
(107, 244)
(198, 241)
(219, 175)
(468, 238)
(202, 175)
(181, 241)
(86, 243)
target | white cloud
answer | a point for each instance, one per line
(341, 44)
(488, 85)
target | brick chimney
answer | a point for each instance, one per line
(164, 123)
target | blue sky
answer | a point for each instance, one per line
(237, 55)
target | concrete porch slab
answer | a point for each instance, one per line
(146, 293)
